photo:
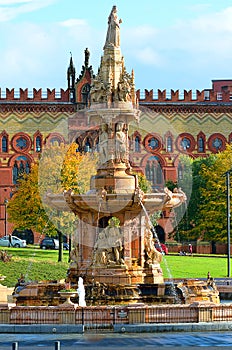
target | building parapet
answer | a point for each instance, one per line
(144, 96)
(24, 95)
(171, 96)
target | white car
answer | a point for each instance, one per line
(15, 242)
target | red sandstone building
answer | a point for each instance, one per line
(171, 123)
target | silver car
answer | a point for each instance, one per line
(15, 242)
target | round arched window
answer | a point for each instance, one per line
(152, 143)
(216, 143)
(185, 142)
(21, 143)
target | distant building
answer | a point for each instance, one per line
(171, 123)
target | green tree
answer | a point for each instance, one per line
(143, 182)
(57, 170)
(187, 215)
(211, 222)
(25, 208)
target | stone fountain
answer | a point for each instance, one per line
(115, 253)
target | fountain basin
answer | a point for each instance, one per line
(113, 202)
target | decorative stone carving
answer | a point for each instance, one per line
(109, 246)
(103, 144)
(74, 257)
(98, 91)
(120, 143)
(152, 254)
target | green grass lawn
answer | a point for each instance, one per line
(37, 265)
(193, 266)
(34, 264)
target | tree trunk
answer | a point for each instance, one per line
(60, 237)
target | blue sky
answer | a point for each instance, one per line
(170, 45)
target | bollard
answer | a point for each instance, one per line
(57, 345)
(15, 346)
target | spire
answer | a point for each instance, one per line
(71, 74)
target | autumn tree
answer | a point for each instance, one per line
(25, 208)
(60, 168)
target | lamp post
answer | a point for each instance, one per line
(227, 175)
(5, 218)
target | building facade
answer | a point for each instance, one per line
(171, 123)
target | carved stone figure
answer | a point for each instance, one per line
(87, 54)
(123, 90)
(100, 248)
(98, 91)
(74, 257)
(109, 246)
(120, 143)
(113, 32)
(152, 254)
(103, 144)
(116, 243)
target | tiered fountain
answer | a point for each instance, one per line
(115, 253)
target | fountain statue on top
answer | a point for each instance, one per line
(115, 252)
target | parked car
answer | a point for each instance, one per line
(65, 246)
(12, 241)
(25, 234)
(162, 248)
(49, 243)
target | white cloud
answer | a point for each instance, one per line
(34, 55)
(19, 7)
(149, 56)
(10, 2)
(74, 22)
(205, 35)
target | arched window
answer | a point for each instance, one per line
(21, 166)
(169, 144)
(38, 144)
(4, 144)
(153, 171)
(201, 144)
(217, 143)
(180, 172)
(87, 146)
(85, 94)
(15, 173)
(137, 144)
(55, 141)
(185, 143)
(97, 146)
(153, 143)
